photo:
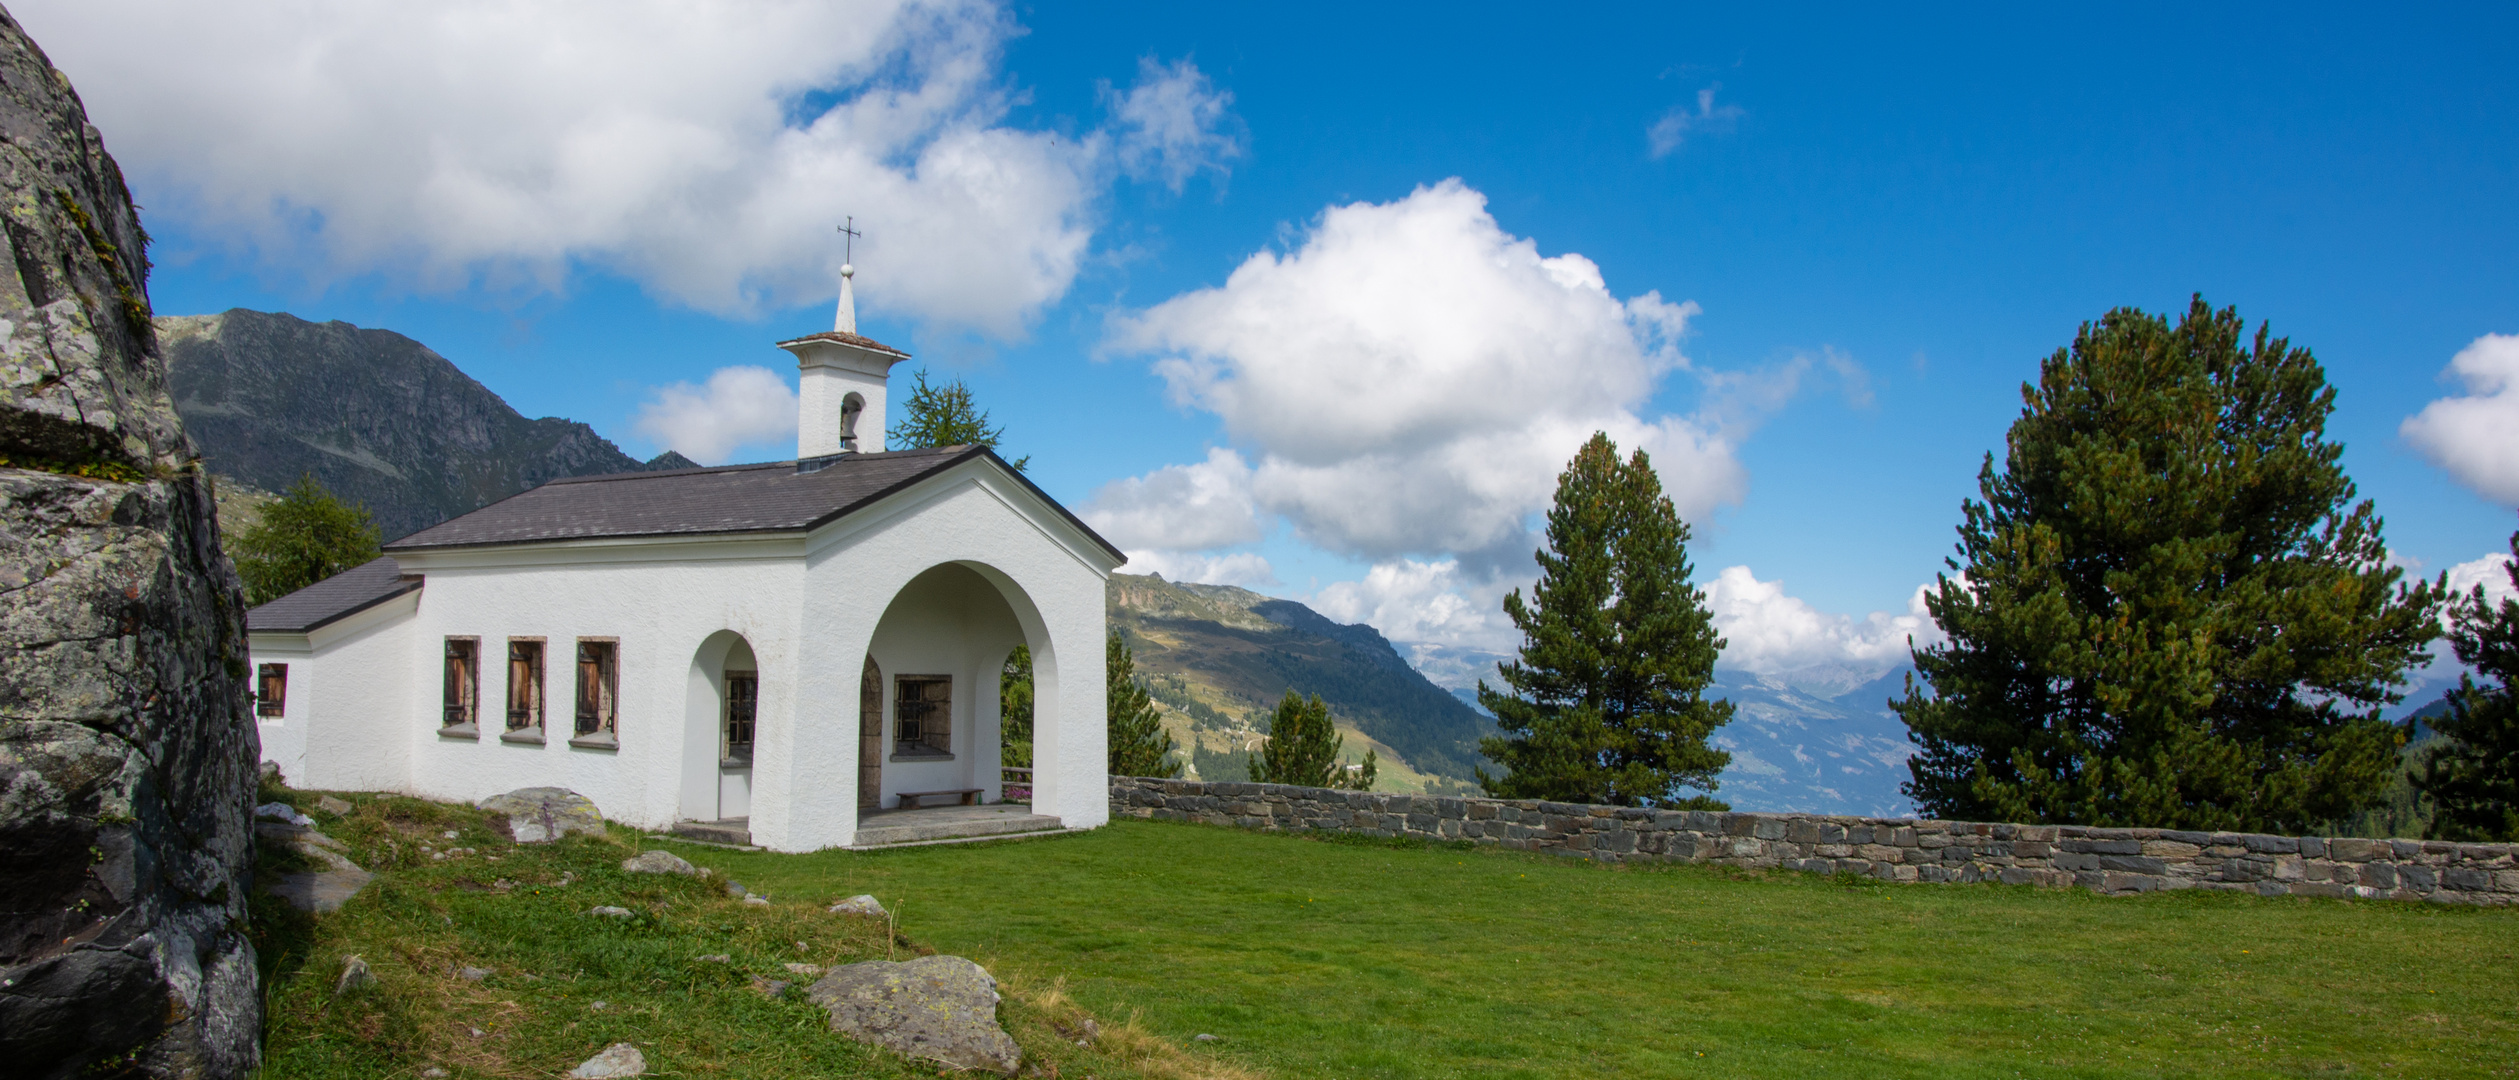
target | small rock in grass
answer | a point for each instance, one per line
(659, 862)
(768, 988)
(1205, 1037)
(280, 811)
(735, 889)
(942, 1008)
(451, 834)
(610, 912)
(600, 1006)
(432, 1073)
(333, 806)
(355, 977)
(539, 814)
(472, 974)
(761, 900)
(618, 1059)
(860, 904)
(715, 958)
(806, 970)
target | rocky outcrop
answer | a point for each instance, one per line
(126, 749)
(377, 417)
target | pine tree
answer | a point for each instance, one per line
(1302, 747)
(1606, 702)
(2473, 776)
(1014, 709)
(304, 536)
(945, 415)
(2168, 612)
(1139, 745)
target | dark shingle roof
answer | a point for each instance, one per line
(334, 598)
(845, 337)
(774, 497)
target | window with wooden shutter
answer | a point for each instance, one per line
(524, 686)
(463, 684)
(598, 680)
(271, 690)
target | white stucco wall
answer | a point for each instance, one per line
(365, 705)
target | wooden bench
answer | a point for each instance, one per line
(911, 800)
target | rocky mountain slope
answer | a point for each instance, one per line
(377, 417)
(1218, 658)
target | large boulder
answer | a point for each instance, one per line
(540, 814)
(940, 1008)
(127, 748)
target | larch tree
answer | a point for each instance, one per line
(2473, 775)
(945, 415)
(2168, 610)
(1138, 744)
(1606, 701)
(304, 536)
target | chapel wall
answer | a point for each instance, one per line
(2108, 861)
(657, 613)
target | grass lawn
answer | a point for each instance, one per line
(1321, 958)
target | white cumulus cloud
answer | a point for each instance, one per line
(1179, 507)
(739, 406)
(1412, 379)
(703, 149)
(1432, 602)
(2475, 435)
(1768, 631)
(2492, 572)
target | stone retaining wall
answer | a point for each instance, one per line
(2115, 861)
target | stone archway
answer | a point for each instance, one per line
(720, 729)
(870, 736)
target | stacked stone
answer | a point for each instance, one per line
(2111, 861)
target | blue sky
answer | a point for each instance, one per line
(1883, 220)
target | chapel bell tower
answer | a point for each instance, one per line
(840, 380)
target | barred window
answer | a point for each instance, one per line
(271, 690)
(743, 698)
(524, 685)
(598, 679)
(463, 683)
(922, 715)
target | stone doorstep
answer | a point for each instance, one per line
(736, 832)
(1033, 835)
(952, 829)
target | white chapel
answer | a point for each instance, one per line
(768, 653)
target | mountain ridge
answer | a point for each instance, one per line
(378, 418)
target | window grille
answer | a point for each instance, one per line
(743, 697)
(922, 714)
(463, 682)
(597, 680)
(524, 685)
(271, 690)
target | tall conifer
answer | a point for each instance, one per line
(1303, 746)
(1606, 702)
(2473, 776)
(2168, 611)
(1138, 744)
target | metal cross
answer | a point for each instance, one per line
(850, 245)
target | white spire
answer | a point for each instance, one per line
(845, 320)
